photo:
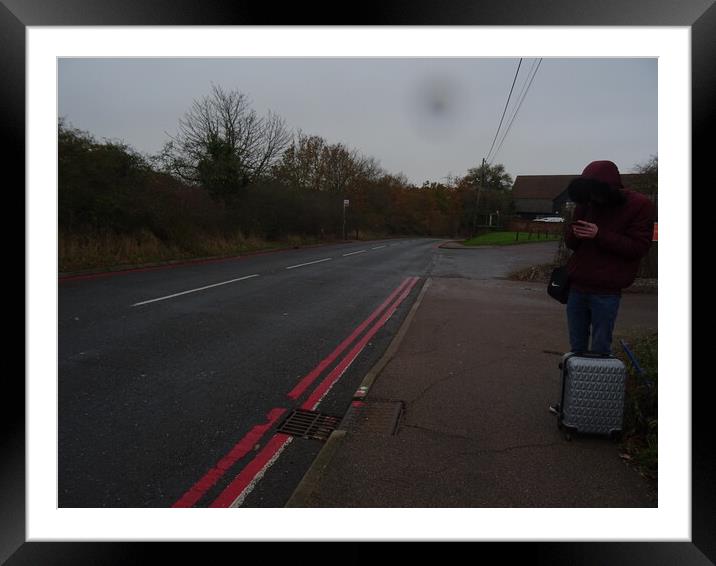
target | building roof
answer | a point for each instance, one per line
(549, 187)
(540, 186)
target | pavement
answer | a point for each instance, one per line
(455, 414)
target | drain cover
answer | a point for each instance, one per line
(377, 417)
(309, 424)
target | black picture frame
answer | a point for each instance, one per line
(16, 15)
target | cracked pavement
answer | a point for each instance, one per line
(476, 371)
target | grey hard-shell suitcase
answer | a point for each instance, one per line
(593, 388)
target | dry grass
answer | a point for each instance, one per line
(110, 251)
(540, 272)
(366, 235)
(107, 250)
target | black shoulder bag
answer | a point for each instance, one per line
(558, 286)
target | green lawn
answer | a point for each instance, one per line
(509, 238)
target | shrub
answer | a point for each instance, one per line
(640, 439)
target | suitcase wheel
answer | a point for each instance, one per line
(565, 431)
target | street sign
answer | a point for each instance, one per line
(345, 203)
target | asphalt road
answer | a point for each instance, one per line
(173, 381)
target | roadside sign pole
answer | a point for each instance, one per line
(345, 205)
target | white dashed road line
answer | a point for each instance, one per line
(310, 263)
(194, 290)
(249, 277)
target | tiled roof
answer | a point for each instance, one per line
(550, 186)
(540, 186)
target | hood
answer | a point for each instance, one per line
(599, 184)
(604, 171)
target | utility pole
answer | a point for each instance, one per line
(477, 198)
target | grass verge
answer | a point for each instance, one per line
(509, 238)
(108, 251)
(112, 251)
(641, 435)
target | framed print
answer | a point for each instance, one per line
(39, 38)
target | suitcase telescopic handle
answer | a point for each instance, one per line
(632, 357)
(592, 354)
(649, 382)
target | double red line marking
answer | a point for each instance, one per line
(325, 386)
(242, 448)
(297, 391)
(244, 482)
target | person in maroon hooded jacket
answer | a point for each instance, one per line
(611, 232)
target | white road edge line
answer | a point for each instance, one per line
(309, 263)
(377, 248)
(354, 253)
(257, 478)
(194, 290)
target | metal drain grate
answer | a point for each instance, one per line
(309, 424)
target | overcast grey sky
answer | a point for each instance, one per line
(425, 117)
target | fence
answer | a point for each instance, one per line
(536, 228)
(649, 265)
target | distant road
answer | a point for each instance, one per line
(172, 381)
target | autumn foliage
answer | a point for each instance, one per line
(219, 193)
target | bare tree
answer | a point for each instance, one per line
(648, 181)
(311, 164)
(223, 144)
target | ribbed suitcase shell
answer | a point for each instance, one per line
(593, 393)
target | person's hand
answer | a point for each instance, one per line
(584, 229)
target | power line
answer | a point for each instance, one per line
(526, 82)
(509, 126)
(519, 100)
(516, 100)
(506, 104)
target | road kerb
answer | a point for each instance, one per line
(373, 373)
(312, 478)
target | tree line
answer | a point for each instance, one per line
(228, 170)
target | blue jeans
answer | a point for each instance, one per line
(591, 314)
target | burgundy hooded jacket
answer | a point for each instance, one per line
(609, 262)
